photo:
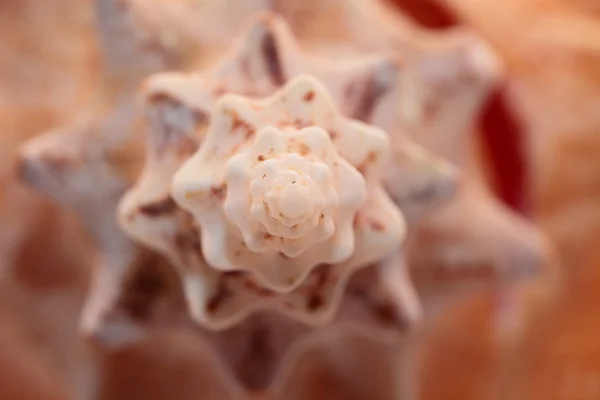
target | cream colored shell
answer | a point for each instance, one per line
(289, 192)
(180, 105)
(216, 185)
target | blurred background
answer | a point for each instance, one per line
(539, 138)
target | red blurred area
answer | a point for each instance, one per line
(427, 12)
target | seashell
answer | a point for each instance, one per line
(179, 107)
(471, 241)
(178, 124)
(104, 158)
(292, 192)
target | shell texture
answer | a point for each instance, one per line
(179, 108)
(292, 192)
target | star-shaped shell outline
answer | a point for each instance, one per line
(190, 97)
(303, 101)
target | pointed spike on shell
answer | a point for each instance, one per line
(466, 57)
(446, 82)
(45, 162)
(363, 94)
(417, 180)
(189, 89)
(260, 59)
(369, 160)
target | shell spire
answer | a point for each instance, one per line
(289, 190)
